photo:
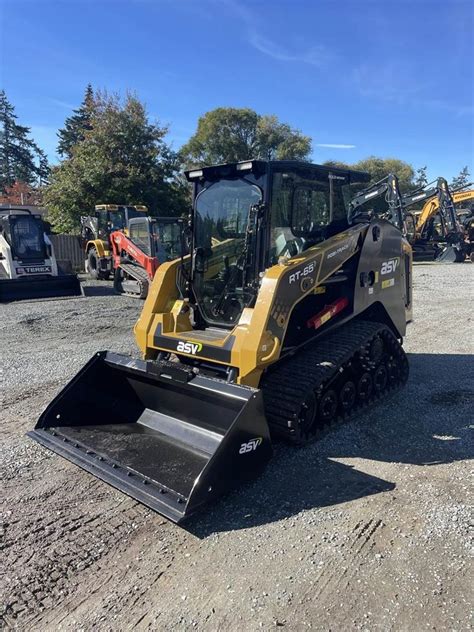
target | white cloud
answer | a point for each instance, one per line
(317, 56)
(335, 145)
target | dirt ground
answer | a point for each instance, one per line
(368, 529)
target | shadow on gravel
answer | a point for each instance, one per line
(426, 423)
(99, 290)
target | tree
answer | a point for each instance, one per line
(21, 193)
(21, 160)
(234, 134)
(461, 180)
(123, 159)
(380, 167)
(421, 179)
(336, 163)
(77, 125)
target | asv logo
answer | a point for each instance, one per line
(388, 267)
(250, 445)
(189, 347)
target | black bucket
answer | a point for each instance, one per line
(450, 254)
(169, 438)
(31, 288)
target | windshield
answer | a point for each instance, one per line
(304, 212)
(167, 240)
(27, 237)
(221, 217)
(117, 219)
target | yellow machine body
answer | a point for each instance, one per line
(431, 207)
(257, 339)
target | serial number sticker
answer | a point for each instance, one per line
(388, 283)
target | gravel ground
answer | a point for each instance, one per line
(367, 529)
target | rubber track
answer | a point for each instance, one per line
(311, 369)
(140, 275)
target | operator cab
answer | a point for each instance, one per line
(159, 237)
(250, 214)
(112, 217)
(24, 233)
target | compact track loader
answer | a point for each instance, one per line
(28, 266)
(151, 241)
(287, 316)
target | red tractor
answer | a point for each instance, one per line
(136, 257)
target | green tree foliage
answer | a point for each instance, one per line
(77, 125)
(461, 180)
(123, 158)
(421, 179)
(380, 167)
(21, 160)
(336, 163)
(234, 134)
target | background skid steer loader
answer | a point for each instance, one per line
(28, 266)
(150, 242)
(287, 315)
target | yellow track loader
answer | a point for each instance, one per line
(287, 317)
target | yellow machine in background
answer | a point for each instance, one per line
(96, 230)
(431, 207)
(287, 316)
(437, 234)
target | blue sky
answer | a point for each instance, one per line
(361, 77)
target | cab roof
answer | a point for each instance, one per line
(259, 167)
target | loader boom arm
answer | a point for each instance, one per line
(121, 244)
(388, 187)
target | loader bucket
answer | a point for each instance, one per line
(169, 438)
(31, 288)
(448, 255)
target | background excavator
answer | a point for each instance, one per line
(431, 240)
(136, 257)
(95, 233)
(287, 316)
(28, 265)
(466, 218)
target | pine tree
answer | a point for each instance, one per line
(21, 160)
(462, 180)
(77, 125)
